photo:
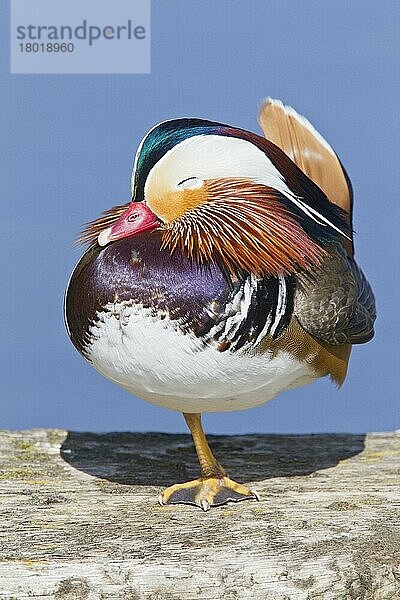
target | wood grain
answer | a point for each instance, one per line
(79, 518)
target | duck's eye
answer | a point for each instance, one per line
(133, 217)
(191, 183)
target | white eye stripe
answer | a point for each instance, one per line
(215, 157)
(191, 183)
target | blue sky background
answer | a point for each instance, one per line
(68, 143)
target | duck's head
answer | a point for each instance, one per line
(226, 195)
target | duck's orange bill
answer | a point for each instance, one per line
(136, 219)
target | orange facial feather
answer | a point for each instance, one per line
(243, 225)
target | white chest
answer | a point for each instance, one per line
(154, 360)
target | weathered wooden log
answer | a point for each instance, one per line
(80, 519)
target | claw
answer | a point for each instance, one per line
(204, 505)
(160, 500)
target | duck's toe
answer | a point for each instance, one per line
(206, 492)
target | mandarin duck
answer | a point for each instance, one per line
(227, 279)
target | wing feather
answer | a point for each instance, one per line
(283, 126)
(335, 302)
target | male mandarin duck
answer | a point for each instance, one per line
(227, 279)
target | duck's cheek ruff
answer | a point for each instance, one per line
(245, 227)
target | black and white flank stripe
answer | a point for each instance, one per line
(256, 308)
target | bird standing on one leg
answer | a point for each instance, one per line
(227, 279)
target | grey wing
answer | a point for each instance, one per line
(335, 302)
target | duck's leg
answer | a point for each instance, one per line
(213, 487)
